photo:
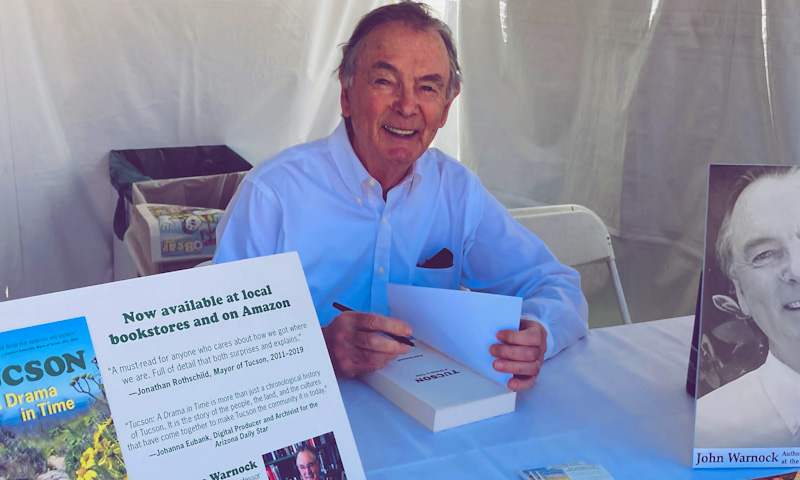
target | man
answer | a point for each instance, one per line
(758, 248)
(307, 463)
(372, 204)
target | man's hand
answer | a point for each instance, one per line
(520, 353)
(355, 348)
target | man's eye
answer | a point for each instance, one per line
(382, 81)
(428, 88)
(765, 258)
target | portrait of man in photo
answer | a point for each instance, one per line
(315, 458)
(307, 463)
(757, 256)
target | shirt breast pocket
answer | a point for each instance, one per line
(434, 277)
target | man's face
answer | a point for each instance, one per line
(308, 465)
(398, 99)
(765, 233)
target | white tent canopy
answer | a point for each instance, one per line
(617, 105)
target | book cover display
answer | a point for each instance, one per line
(748, 380)
(54, 414)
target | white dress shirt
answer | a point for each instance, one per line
(319, 200)
(759, 409)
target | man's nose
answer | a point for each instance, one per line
(791, 269)
(406, 101)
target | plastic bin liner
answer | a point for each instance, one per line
(173, 222)
(129, 166)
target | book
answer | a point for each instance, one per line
(566, 471)
(54, 408)
(446, 380)
(438, 391)
(461, 324)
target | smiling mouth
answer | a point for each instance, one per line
(792, 306)
(399, 132)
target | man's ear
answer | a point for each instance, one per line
(726, 304)
(447, 107)
(743, 306)
(344, 99)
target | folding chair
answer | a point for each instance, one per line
(576, 236)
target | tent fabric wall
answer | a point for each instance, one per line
(618, 105)
(83, 77)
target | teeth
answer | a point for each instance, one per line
(792, 305)
(397, 131)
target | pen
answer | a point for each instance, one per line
(404, 340)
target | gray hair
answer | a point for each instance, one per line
(417, 16)
(307, 448)
(724, 245)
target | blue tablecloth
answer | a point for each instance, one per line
(617, 398)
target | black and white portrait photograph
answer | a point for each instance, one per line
(749, 350)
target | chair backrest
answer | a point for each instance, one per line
(574, 234)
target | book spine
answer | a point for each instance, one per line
(270, 473)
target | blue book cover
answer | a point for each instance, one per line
(54, 415)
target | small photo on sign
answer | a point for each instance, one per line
(315, 458)
(748, 383)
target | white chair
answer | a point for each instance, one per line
(576, 236)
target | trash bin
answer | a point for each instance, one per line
(172, 199)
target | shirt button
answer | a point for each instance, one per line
(380, 271)
(358, 201)
(384, 219)
(371, 182)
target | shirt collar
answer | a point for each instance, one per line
(782, 385)
(353, 172)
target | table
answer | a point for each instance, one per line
(616, 398)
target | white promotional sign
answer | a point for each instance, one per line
(215, 372)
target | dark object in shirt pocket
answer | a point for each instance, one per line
(442, 259)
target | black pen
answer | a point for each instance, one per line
(404, 340)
